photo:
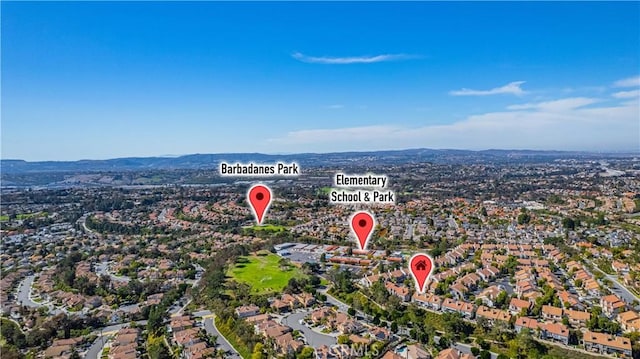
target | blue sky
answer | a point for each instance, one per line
(104, 80)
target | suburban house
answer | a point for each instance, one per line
(489, 295)
(516, 306)
(525, 322)
(401, 292)
(464, 308)
(428, 300)
(612, 305)
(555, 331)
(453, 353)
(606, 344)
(629, 321)
(493, 315)
(552, 313)
(247, 311)
(577, 318)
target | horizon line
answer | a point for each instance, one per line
(618, 152)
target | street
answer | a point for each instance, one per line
(96, 348)
(619, 289)
(222, 342)
(23, 293)
(102, 269)
(23, 296)
(103, 334)
(314, 339)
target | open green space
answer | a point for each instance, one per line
(324, 190)
(263, 273)
(4, 218)
(269, 228)
(22, 216)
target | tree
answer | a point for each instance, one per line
(482, 343)
(351, 311)
(12, 334)
(568, 223)
(284, 263)
(444, 342)
(344, 339)
(524, 346)
(376, 347)
(156, 348)
(258, 352)
(394, 327)
(306, 353)
(154, 323)
(454, 324)
(524, 217)
(309, 268)
(74, 354)
(501, 300)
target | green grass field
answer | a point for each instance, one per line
(4, 218)
(269, 228)
(263, 273)
(22, 216)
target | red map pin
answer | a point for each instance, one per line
(259, 199)
(421, 266)
(362, 225)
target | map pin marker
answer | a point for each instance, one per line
(421, 266)
(362, 225)
(259, 199)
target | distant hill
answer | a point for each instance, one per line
(206, 161)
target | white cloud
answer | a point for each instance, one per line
(627, 94)
(563, 125)
(628, 82)
(335, 107)
(350, 60)
(556, 105)
(510, 88)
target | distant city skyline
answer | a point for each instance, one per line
(97, 80)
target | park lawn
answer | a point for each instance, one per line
(263, 273)
(22, 216)
(4, 218)
(269, 228)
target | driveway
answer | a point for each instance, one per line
(506, 285)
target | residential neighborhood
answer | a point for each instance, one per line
(185, 272)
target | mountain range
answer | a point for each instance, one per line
(206, 161)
